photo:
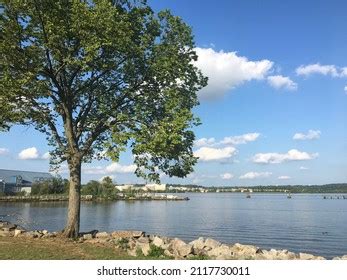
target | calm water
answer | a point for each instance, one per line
(305, 223)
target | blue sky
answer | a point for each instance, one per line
(275, 109)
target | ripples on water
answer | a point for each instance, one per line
(305, 223)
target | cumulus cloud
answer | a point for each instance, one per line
(255, 175)
(29, 153)
(240, 139)
(284, 177)
(326, 70)
(310, 135)
(32, 153)
(204, 142)
(213, 154)
(102, 170)
(345, 89)
(46, 155)
(4, 151)
(118, 168)
(291, 155)
(226, 176)
(227, 70)
(280, 81)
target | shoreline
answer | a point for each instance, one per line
(138, 244)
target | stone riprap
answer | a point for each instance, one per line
(137, 242)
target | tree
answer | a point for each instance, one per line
(97, 77)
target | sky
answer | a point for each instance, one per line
(274, 111)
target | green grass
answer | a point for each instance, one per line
(59, 249)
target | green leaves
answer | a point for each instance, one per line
(99, 76)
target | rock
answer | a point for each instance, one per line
(17, 232)
(168, 253)
(44, 232)
(344, 257)
(305, 256)
(198, 243)
(127, 234)
(87, 236)
(31, 234)
(211, 243)
(157, 241)
(145, 248)
(223, 250)
(5, 233)
(180, 248)
(7, 226)
(102, 235)
(142, 240)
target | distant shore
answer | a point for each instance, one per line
(132, 245)
(51, 198)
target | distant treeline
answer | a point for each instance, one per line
(327, 188)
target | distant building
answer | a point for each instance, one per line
(156, 187)
(13, 181)
(123, 188)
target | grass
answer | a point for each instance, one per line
(59, 249)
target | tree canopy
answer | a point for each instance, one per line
(97, 77)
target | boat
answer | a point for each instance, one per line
(289, 196)
(248, 196)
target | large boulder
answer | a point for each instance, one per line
(222, 250)
(198, 244)
(159, 242)
(211, 243)
(180, 248)
(305, 256)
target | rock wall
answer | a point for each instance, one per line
(137, 242)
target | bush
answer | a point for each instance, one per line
(155, 252)
(55, 186)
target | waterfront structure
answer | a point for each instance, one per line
(156, 187)
(123, 188)
(14, 181)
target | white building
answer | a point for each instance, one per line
(156, 187)
(122, 188)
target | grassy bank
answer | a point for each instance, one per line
(58, 249)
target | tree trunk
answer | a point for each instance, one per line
(73, 220)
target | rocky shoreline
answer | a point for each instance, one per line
(138, 243)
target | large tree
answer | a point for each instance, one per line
(97, 77)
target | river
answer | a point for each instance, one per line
(304, 223)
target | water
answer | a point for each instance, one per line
(305, 223)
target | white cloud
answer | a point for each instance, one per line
(240, 139)
(109, 169)
(310, 135)
(307, 70)
(118, 168)
(226, 176)
(292, 155)
(304, 168)
(210, 154)
(204, 142)
(284, 177)
(345, 89)
(331, 70)
(280, 81)
(4, 151)
(29, 153)
(254, 175)
(227, 70)
(46, 155)
(32, 153)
